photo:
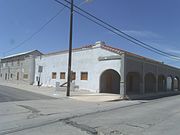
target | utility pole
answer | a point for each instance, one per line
(70, 50)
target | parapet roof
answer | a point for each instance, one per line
(106, 47)
(111, 49)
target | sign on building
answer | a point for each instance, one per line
(40, 69)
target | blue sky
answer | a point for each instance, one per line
(155, 22)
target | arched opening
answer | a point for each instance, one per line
(169, 83)
(133, 83)
(110, 82)
(176, 84)
(150, 83)
(161, 83)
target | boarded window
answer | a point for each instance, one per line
(25, 76)
(84, 75)
(62, 75)
(73, 76)
(53, 75)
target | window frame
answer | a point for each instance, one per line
(62, 75)
(25, 76)
(84, 76)
(54, 75)
(73, 76)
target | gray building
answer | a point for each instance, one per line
(19, 67)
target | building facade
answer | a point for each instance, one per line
(19, 68)
(102, 68)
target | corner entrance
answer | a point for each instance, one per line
(110, 82)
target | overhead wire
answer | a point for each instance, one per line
(40, 29)
(36, 32)
(118, 32)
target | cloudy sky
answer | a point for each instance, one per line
(155, 22)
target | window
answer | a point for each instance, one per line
(73, 75)
(17, 75)
(12, 63)
(18, 62)
(25, 76)
(84, 75)
(62, 75)
(53, 75)
(11, 75)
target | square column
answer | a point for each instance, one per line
(157, 78)
(123, 76)
(142, 86)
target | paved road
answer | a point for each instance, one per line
(155, 117)
(12, 94)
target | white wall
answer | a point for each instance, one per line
(85, 60)
(169, 83)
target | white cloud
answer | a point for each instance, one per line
(142, 34)
(174, 51)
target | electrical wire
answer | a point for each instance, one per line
(119, 32)
(35, 33)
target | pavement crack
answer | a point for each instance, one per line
(34, 111)
(136, 126)
(115, 132)
(82, 127)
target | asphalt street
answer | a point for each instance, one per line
(152, 117)
(8, 94)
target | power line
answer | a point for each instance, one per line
(123, 32)
(40, 29)
(111, 29)
(36, 32)
(119, 32)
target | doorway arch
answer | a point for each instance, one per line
(110, 82)
(169, 83)
(133, 83)
(150, 83)
(176, 83)
(161, 83)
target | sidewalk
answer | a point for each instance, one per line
(81, 95)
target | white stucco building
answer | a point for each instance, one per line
(87, 65)
(102, 68)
